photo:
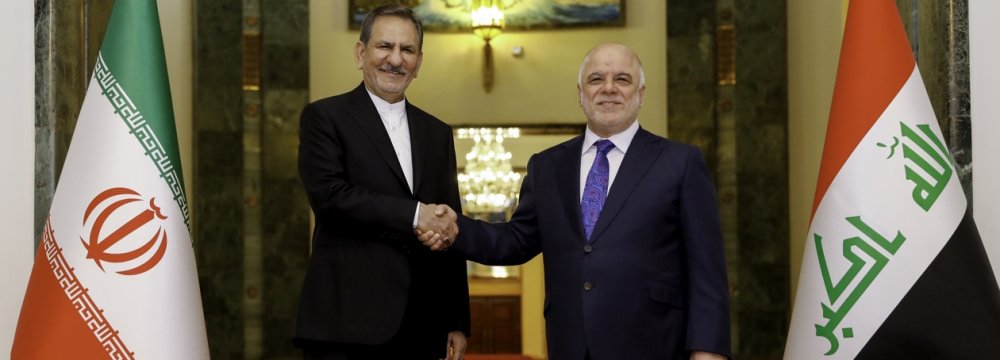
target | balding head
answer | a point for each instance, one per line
(611, 87)
(611, 47)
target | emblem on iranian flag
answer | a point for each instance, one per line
(104, 235)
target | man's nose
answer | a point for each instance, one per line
(608, 87)
(395, 57)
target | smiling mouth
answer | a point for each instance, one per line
(393, 72)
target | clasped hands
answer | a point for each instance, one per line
(436, 226)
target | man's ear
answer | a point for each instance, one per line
(642, 95)
(359, 51)
(579, 94)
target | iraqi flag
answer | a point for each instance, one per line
(115, 275)
(893, 266)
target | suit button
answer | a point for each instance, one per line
(587, 249)
(587, 286)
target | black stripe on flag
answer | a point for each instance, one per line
(953, 310)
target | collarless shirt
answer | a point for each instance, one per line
(396, 125)
(615, 155)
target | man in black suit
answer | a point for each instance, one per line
(628, 223)
(371, 162)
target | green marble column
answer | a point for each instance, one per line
(727, 92)
(761, 111)
(218, 200)
(939, 35)
(68, 37)
(252, 220)
(285, 211)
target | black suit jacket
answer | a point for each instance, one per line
(651, 283)
(366, 264)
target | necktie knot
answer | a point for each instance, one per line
(603, 146)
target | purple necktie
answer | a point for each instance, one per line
(596, 188)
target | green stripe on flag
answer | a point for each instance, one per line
(132, 73)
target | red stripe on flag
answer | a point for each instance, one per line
(59, 319)
(875, 62)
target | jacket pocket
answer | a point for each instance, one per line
(666, 294)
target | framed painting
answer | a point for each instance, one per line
(453, 15)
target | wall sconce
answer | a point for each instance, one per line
(487, 23)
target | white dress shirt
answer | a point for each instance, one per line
(394, 118)
(396, 125)
(615, 155)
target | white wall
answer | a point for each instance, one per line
(17, 158)
(814, 32)
(984, 23)
(177, 25)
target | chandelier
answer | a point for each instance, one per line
(488, 184)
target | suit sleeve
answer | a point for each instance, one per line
(708, 289)
(510, 243)
(325, 179)
(458, 277)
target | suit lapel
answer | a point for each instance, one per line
(568, 179)
(367, 118)
(640, 156)
(418, 136)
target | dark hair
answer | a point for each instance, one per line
(396, 10)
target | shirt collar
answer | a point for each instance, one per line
(621, 140)
(384, 107)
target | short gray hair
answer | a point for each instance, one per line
(396, 10)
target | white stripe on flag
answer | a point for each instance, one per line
(873, 186)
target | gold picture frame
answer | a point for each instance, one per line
(453, 15)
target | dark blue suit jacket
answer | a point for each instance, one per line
(652, 282)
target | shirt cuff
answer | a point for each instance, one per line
(416, 215)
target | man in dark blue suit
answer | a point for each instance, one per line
(628, 223)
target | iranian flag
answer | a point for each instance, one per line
(114, 276)
(893, 266)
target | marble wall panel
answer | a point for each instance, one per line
(742, 128)
(938, 33)
(67, 39)
(253, 219)
(285, 221)
(219, 204)
(761, 109)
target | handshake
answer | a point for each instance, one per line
(436, 226)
